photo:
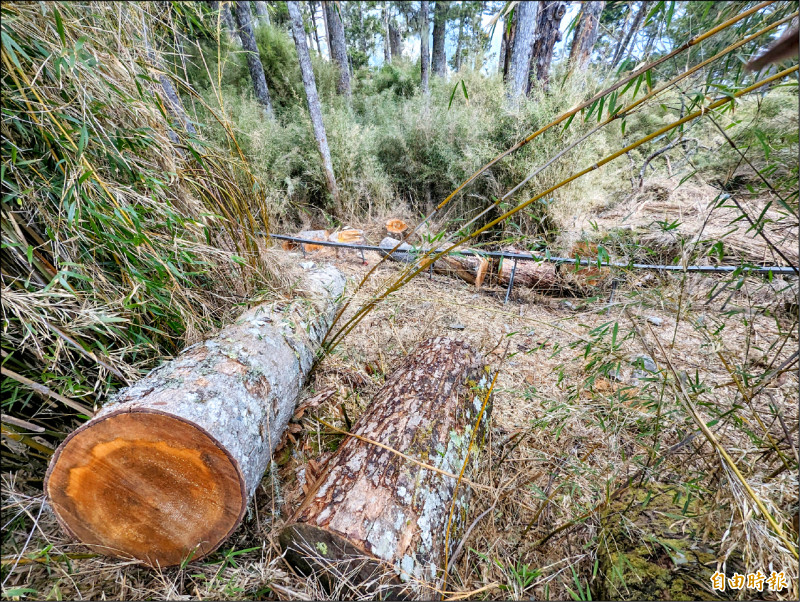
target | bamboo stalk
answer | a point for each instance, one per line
(726, 456)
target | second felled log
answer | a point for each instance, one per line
(377, 516)
(470, 268)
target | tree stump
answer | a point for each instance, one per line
(470, 268)
(376, 516)
(164, 472)
(396, 227)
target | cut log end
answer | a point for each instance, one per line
(146, 485)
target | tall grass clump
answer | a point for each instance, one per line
(126, 232)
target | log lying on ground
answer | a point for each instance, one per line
(165, 470)
(322, 235)
(350, 236)
(470, 268)
(373, 514)
(530, 274)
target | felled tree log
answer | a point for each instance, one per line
(308, 247)
(529, 274)
(469, 268)
(374, 513)
(349, 236)
(165, 471)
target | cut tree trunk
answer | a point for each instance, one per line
(165, 471)
(374, 513)
(396, 227)
(530, 274)
(351, 237)
(470, 268)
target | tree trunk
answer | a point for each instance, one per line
(373, 509)
(470, 268)
(547, 34)
(460, 40)
(511, 33)
(164, 472)
(637, 21)
(314, 107)
(424, 40)
(168, 90)
(338, 47)
(244, 17)
(313, 6)
(519, 70)
(262, 12)
(501, 67)
(227, 21)
(362, 34)
(529, 274)
(387, 48)
(439, 27)
(585, 35)
(327, 31)
(396, 41)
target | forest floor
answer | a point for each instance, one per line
(572, 422)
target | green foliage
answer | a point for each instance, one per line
(123, 235)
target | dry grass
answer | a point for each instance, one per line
(562, 432)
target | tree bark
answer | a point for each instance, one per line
(262, 12)
(637, 22)
(227, 22)
(460, 40)
(396, 41)
(511, 34)
(439, 28)
(387, 48)
(338, 46)
(313, 6)
(529, 274)
(374, 511)
(314, 107)
(501, 67)
(244, 17)
(585, 35)
(470, 268)
(424, 50)
(519, 69)
(547, 34)
(164, 471)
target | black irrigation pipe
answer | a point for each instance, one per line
(775, 270)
